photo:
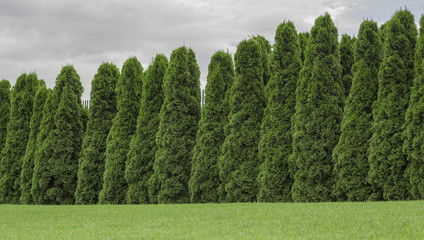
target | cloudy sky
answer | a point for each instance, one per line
(44, 35)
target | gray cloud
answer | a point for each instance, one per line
(44, 35)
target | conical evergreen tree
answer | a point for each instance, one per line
(18, 129)
(413, 134)
(41, 174)
(28, 160)
(265, 52)
(395, 78)
(303, 42)
(179, 117)
(55, 165)
(66, 141)
(123, 128)
(204, 179)
(101, 113)
(275, 145)
(4, 111)
(239, 164)
(351, 153)
(316, 123)
(346, 61)
(139, 167)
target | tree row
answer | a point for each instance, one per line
(308, 119)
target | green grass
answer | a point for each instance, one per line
(384, 220)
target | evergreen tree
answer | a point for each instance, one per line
(413, 134)
(346, 61)
(123, 127)
(316, 122)
(275, 145)
(56, 164)
(141, 156)
(40, 172)
(395, 78)
(178, 122)
(351, 153)
(239, 164)
(66, 141)
(265, 47)
(101, 113)
(204, 179)
(17, 137)
(4, 111)
(303, 42)
(28, 160)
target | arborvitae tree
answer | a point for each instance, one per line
(413, 134)
(66, 142)
(316, 123)
(346, 61)
(141, 156)
(303, 42)
(275, 145)
(101, 113)
(28, 160)
(239, 163)
(18, 128)
(4, 111)
(265, 52)
(204, 180)
(61, 148)
(40, 174)
(395, 78)
(178, 122)
(123, 128)
(351, 153)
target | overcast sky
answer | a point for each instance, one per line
(44, 35)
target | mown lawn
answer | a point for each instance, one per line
(384, 220)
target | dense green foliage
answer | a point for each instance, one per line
(382, 34)
(18, 128)
(346, 61)
(303, 42)
(56, 173)
(395, 78)
(204, 180)
(4, 111)
(4, 115)
(413, 135)
(239, 163)
(101, 113)
(316, 122)
(66, 141)
(141, 156)
(350, 156)
(84, 118)
(178, 123)
(28, 160)
(124, 126)
(265, 47)
(40, 174)
(306, 120)
(275, 145)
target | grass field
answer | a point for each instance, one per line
(384, 220)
